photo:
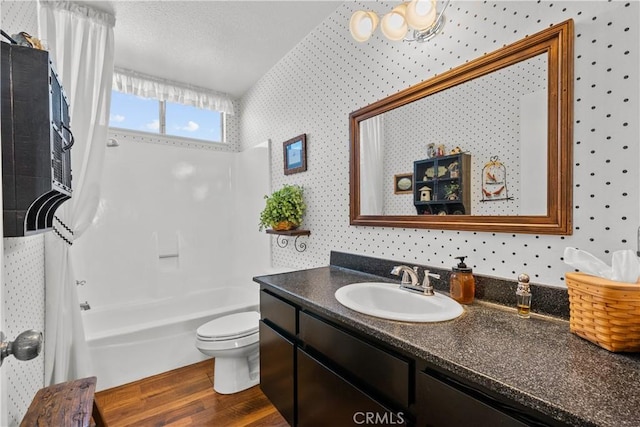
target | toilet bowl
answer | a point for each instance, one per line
(233, 341)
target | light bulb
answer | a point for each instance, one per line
(362, 25)
(394, 25)
(421, 14)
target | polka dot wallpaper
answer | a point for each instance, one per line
(23, 298)
(328, 75)
(22, 269)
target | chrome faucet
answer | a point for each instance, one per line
(409, 275)
(410, 279)
(85, 306)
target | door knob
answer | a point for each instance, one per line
(26, 346)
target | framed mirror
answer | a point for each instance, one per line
(489, 144)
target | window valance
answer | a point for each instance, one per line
(134, 83)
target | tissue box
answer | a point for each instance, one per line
(605, 312)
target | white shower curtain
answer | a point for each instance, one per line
(372, 166)
(80, 40)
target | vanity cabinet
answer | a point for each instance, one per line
(443, 185)
(317, 372)
(325, 398)
(442, 404)
(358, 358)
(278, 353)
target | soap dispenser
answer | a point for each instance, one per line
(462, 285)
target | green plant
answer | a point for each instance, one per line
(285, 204)
(451, 190)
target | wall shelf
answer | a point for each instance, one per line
(438, 174)
(282, 238)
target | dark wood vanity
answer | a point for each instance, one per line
(324, 364)
(319, 373)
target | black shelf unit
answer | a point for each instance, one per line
(36, 141)
(439, 174)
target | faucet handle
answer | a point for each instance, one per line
(426, 283)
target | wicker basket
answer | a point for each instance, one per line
(605, 312)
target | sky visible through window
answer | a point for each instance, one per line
(142, 114)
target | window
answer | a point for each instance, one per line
(166, 118)
(134, 113)
(193, 122)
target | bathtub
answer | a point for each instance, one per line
(134, 341)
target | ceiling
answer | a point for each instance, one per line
(221, 45)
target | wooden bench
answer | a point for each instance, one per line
(65, 404)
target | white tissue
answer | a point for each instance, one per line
(625, 264)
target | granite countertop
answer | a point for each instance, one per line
(536, 362)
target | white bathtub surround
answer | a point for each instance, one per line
(160, 200)
(174, 245)
(86, 71)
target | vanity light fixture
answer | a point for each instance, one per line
(420, 18)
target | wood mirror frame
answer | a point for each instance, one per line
(557, 43)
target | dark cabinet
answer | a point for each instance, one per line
(310, 392)
(443, 185)
(278, 329)
(359, 358)
(442, 405)
(319, 373)
(279, 313)
(327, 399)
(36, 138)
(277, 366)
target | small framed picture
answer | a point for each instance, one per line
(403, 183)
(295, 154)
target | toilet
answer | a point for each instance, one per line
(233, 341)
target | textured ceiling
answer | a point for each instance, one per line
(221, 45)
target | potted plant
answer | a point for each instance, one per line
(451, 191)
(284, 209)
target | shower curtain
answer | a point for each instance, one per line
(372, 166)
(80, 40)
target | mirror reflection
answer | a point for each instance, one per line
(478, 148)
(485, 146)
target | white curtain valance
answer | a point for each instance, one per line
(82, 11)
(134, 83)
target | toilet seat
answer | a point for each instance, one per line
(229, 328)
(233, 341)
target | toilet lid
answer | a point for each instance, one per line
(231, 326)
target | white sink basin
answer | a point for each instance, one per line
(388, 301)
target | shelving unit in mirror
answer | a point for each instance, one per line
(443, 185)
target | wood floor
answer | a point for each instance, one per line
(185, 397)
